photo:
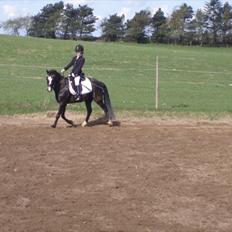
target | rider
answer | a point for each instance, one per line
(77, 63)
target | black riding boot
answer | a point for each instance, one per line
(76, 89)
(78, 92)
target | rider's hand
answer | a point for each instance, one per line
(63, 70)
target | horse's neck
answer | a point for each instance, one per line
(60, 85)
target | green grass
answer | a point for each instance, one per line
(192, 79)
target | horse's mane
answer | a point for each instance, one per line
(53, 71)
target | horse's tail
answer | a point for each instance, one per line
(108, 103)
(103, 91)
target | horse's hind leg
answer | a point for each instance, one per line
(104, 108)
(106, 116)
(88, 105)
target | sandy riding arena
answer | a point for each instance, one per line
(144, 176)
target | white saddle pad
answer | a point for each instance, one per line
(86, 87)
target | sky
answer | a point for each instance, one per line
(102, 8)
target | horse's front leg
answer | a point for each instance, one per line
(65, 119)
(60, 111)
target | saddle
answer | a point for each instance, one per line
(86, 86)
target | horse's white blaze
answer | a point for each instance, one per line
(49, 83)
(49, 80)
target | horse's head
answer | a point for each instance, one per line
(53, 78)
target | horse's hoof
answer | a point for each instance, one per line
(84, 124)
(72, 124)
(53, 126)
(110, 123)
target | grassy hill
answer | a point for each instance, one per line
(193, 79)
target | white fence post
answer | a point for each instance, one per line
(157, 84)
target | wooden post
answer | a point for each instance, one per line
(157, 84)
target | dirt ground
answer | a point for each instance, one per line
(143, 176)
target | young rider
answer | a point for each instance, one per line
(76, 74)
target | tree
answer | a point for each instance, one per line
(179, 21)
(226, 23)
(190, 33)
(86, 21)
(14, 26)
(113, 28)
(46, 23)
(69, 25)
(200, 24)
(77, 22)
(158, 23)
(213, 12)
(137, 27)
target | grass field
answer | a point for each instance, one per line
(193, 79)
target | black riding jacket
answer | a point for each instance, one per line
(77, 64)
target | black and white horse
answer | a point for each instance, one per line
(98, 93)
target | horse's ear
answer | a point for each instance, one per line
(47, 71)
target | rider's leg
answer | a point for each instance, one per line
(76, 86)
(77, 89)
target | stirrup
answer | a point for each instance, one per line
(77, 97)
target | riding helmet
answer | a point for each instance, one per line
(79, 48)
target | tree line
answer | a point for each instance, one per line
(211, 25)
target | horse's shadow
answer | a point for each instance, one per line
(102, 121)
(97, 122)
